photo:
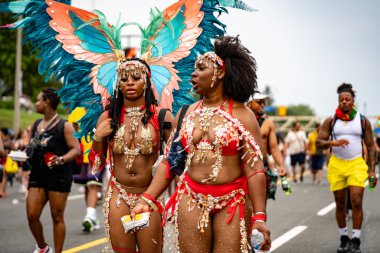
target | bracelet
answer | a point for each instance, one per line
(152, 202)
(259, 217)
(62, 160)
(98, 139)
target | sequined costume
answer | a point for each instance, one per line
(147, 146)
(228, 135)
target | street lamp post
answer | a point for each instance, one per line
(17, 90)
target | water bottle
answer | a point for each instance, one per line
(371, 183)
(257, 239)
(286, 186)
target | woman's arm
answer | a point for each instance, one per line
(163, 176)
(2, 151)
(98, 153)
(255, 172)
(273, 144)
(72, 143)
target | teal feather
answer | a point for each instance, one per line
(237, 4)
(161, 76)
(58, 64)
(107, 77)
(114, 32)
(212, 27)
(156, 22)
(16, 7)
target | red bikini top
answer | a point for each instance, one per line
(229, 140)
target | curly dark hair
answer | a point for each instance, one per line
(346, 87)
(240, 81)
(117, 101)
(51, 95)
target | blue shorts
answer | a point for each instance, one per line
(317, 162)
(297, 158)
(85, 176)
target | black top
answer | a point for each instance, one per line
(52, 140)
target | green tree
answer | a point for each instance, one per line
(32, 81)
(300, 109)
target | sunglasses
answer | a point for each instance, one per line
(260, 101)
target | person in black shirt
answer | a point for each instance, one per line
(54, 147)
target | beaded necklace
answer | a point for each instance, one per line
(134, 113)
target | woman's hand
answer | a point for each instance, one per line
(104, 128)
(54, 161)
(262, 228)
(142, 207)
(340, 143)
(282, 171)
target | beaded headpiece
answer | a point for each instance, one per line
(213, 57)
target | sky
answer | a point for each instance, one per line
(304, 49)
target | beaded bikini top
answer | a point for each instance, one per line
(145, 147)
(228, 134)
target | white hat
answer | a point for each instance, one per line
(258, 96)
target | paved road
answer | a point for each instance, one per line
(293, 220)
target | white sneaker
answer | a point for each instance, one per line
(45, 249)
(90, 224)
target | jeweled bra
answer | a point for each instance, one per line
(230, 130)
(145, 147)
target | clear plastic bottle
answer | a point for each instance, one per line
(257, 239)
(286, 186)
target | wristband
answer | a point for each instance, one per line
(259, 217)
(62, 160)
(98, 139)
(153, 203)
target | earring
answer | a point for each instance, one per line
(214, 78)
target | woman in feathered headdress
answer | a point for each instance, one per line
(121, 101)
(216, 153)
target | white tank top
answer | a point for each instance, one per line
(351, 131)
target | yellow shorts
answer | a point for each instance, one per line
(342, 173)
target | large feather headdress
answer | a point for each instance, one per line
(84, 51)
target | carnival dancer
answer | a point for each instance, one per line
(130, 128)
(51, 176)
(98, 77)
(347, 169)
(223, 172)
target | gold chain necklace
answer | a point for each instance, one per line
(47, 124)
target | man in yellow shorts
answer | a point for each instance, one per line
(347, 168)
